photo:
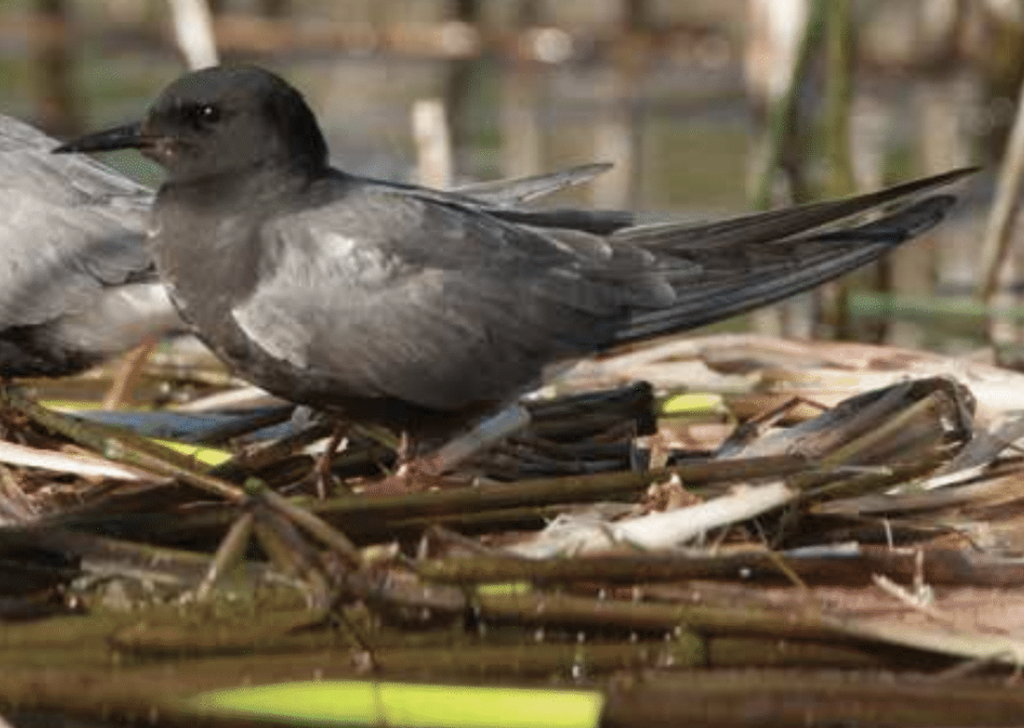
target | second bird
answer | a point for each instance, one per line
(421, 309)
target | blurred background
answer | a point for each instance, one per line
(706, 107)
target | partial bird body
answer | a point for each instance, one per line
(77, 283)
(412, 307)
(77, 279)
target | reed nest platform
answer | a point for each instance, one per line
(715, 530)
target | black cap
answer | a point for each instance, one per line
(224, 119)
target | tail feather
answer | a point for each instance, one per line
(763, 227)
(753, 272)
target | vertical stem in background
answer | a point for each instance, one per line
(996, 246)
(838, 93)
(193, 31)
(458, 83)
(434, 162)
(522, 142)
(999, 229)
(789, 33)
(782, 101)
(57, 110)
(275, 8)
(618, 129)
(833, 298)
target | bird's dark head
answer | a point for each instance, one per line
(225, 119)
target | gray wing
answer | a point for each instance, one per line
(759, 227)
(391, 295)
(512, 192)
(506, 199)
(740, 276)
(754, 260)
(68, 228)
(396, 294)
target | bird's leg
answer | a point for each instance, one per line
(323, 463)
(407, 476)
(127, 374)
(507, 422)
(405, 453)
(430, 467)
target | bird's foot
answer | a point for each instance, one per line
(412, 476)
(322, 470)
(416, 474)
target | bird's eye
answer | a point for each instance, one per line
(198, 116)
(208, 114)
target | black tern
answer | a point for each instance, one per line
(77, 283)
(421, 309)
(77, 280)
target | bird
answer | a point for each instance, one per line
(77, 283)
(423, 310)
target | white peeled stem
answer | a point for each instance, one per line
(435, 166)
(674, 528)
(81, 465)
(193, 29)
(244, 397)
(507, 422)
(656, 531)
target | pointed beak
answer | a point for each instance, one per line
(129, 136)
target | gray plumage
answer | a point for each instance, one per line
(77, 282)
(415, 307)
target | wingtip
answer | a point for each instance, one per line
(959, 173)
